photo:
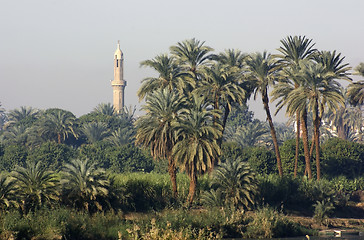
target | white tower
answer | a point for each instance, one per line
(118, 84)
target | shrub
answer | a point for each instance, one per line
(51, 154)
(277, 191)
(268, 223)
(145, 191)
(13, 155)
(288, 153)
(323, 209)
(127, 158)
(261, 160)
(341, 157)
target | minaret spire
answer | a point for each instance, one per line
(118, 84)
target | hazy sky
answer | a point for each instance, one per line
(59, 53)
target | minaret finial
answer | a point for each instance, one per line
(119, 44)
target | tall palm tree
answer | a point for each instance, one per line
(95, 131)
(105, 108)
(191, 54)
(84, 184)
(170, 76)
(262, 72)
(293, 50)
(155, 131)
(220, 84)
(333, 63)
(57, 124)
(318, 89)
(37, 186)
(196, 149)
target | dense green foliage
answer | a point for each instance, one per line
(340, 157)
(70, 177)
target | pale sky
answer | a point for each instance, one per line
(59, 53)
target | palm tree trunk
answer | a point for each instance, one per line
(192, 189)
(298, 129)
(59, 138)
(312, 144)
(317, 140)
(173, 175)
(219, 141)
(273, 133)
(305, 144)
(341, 133)
(224, 120)
(226, 115)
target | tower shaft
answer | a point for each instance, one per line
(118, 84)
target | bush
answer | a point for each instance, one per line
(51, 154)
(288, 153)
(147, 191)
(323, 209)
(261, 160)
(277, 191)
(341, 157)
(268, 223)
(13, 155)
(127, 158)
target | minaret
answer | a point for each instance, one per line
(118, 84)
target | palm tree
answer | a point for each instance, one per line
(170, 76)
(237, 182)
(8, 192)
(191, 54)
(231, 58)
(95, 131)
(317, 90)
(359, 70)
(22, 115)
(220, 85)
(17, 134)
(154, 130)
(356, 90)
(105, 108)
(57, 124)
(346, 120)
(293, 50)
(249, 135)
(122, 136)
(36, 186)
(84, 184)
(356, 93)
(262, 72)
(196, 149)
(17, 115)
